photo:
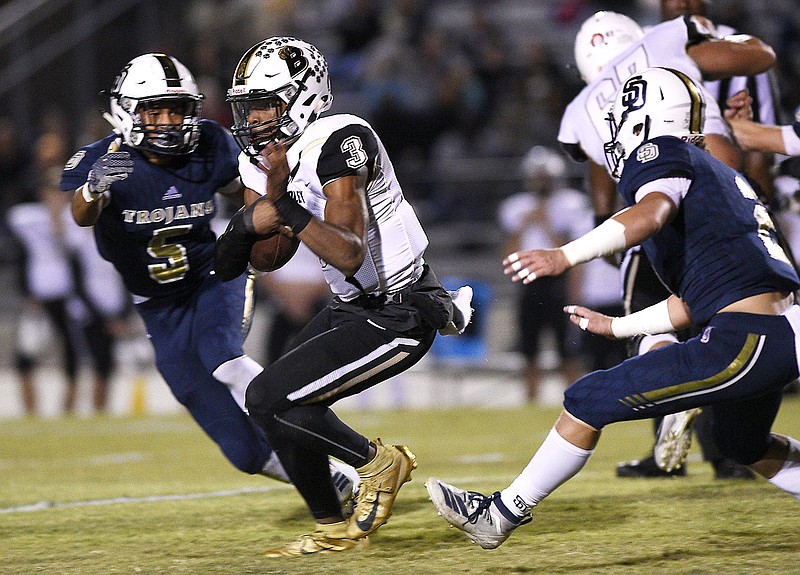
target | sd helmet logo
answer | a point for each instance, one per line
(633, 94)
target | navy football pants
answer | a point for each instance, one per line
(192, 336)
(738, 366)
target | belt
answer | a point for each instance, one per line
(371, 301)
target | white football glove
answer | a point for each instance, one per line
(107, 169)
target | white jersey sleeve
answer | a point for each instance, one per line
(584, 122)
(333, 147)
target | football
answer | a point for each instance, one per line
(272, 252)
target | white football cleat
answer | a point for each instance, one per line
(462, 311)
(345, 481)
(473, 513)
(674, 439)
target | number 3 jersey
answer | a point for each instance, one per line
(156, 230)
(721, 246)
(336, 146)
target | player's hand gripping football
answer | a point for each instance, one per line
(526, 266)
(266, 219)
(107, 169)
(590, 321)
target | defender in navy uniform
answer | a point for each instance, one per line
(714, 246)
(149, 191)
(328, 182)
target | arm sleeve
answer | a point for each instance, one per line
(232, 250)
(675, 188)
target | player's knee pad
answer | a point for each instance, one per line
(237, 374)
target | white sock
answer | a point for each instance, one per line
(788, 478)
(556, 461)
(237, 374)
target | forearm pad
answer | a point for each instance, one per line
(604, 240)
(650, 320)
(232, 250)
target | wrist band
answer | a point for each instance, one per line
(293, 214)
(791, 140)
(605, 239)
(650, 320)
(88, 196)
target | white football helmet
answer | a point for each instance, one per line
(655, 102)
(542, 160)
(601, 38)
(156, 81)
(280, 72)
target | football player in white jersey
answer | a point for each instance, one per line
(328, 182)
(690, 45)
(762, 87)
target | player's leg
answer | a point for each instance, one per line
(742, 431)
(724, 467)
(642, 288)
(170, 329)
(290, 400)
(57, 312)
(722, 365)
(528, 337)
(100, 342)
(219, 325)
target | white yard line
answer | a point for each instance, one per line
(148, 499)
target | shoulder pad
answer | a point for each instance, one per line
(574, 151)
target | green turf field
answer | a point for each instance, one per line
(153, 496)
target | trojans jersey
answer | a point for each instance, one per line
(584, 128)
(156, 230)
(721, 246)
(335, 146)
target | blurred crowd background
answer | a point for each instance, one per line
(460, 91)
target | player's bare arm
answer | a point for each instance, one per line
(85, 213)
(340, 240)
(626, 228)
(604, 190)
(751, 135)
(738, 55)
